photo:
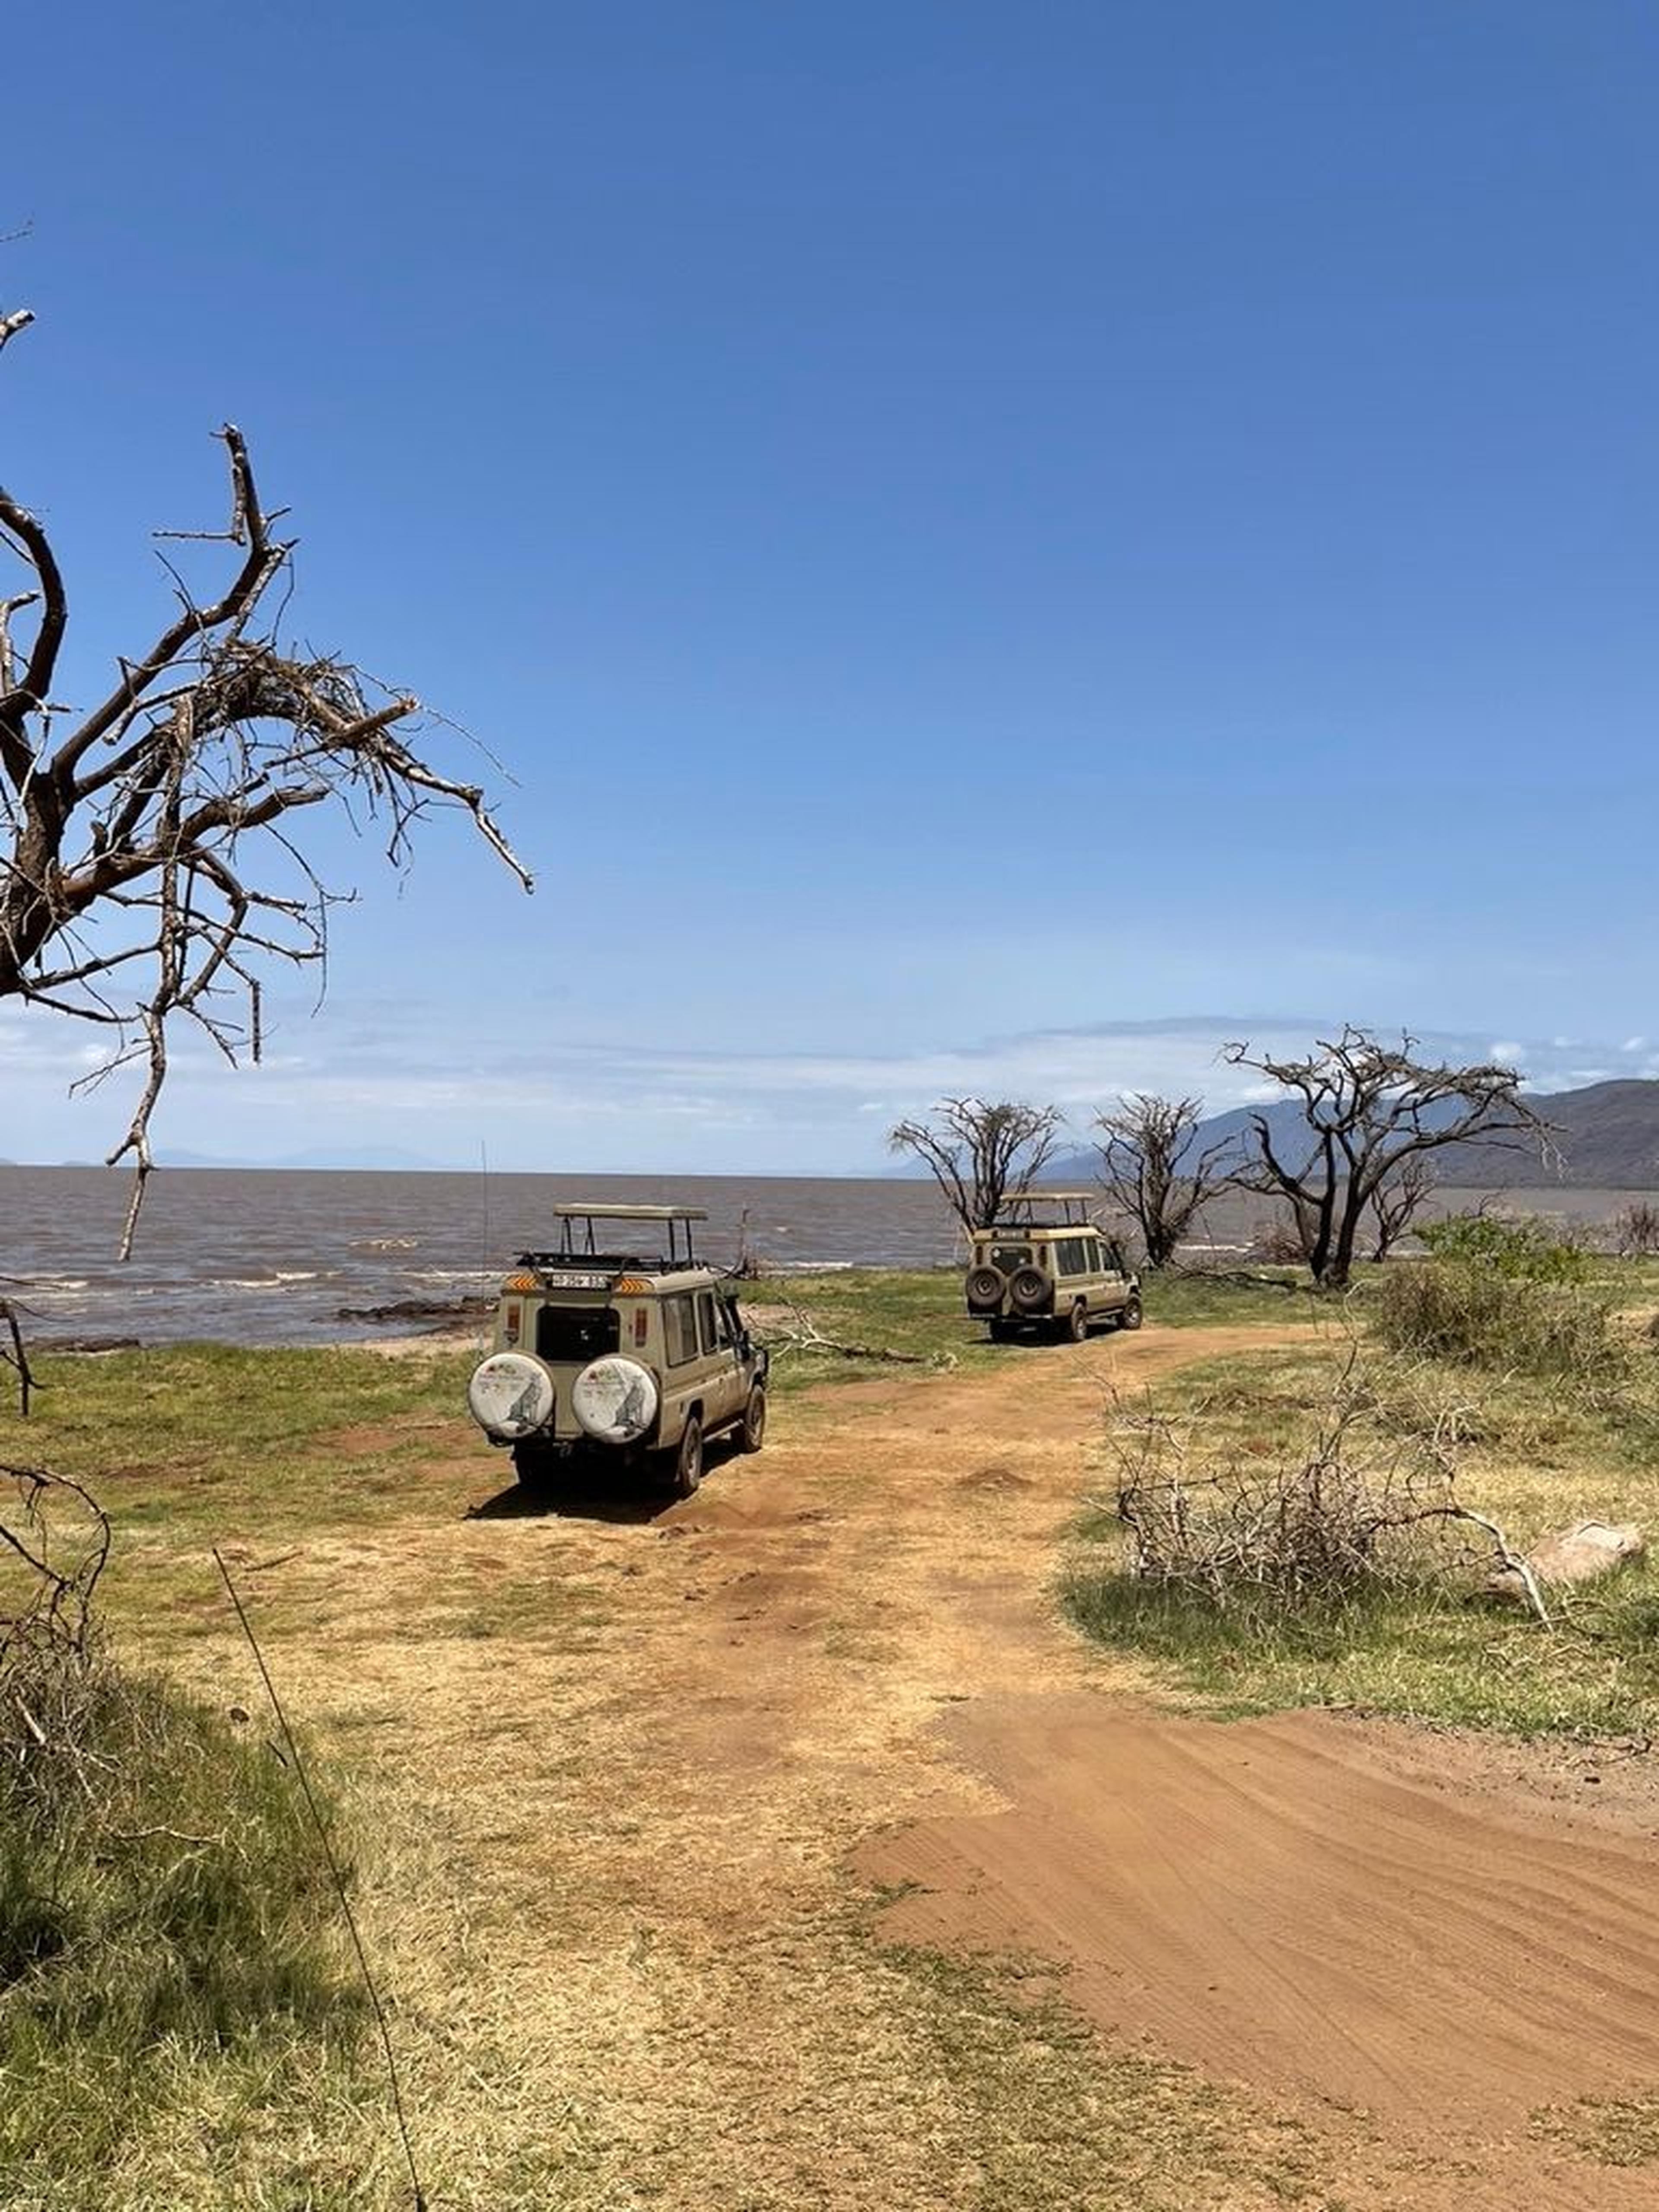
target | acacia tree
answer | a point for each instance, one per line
(980, 1154)
(1372, 1112)
(149, 861)
(1152, 1170)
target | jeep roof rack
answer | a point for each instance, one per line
(568, 1213)
(1072, 1207)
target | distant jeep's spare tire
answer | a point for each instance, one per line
(510, 1395)
(615, 1400)
(1027, 1287)
(985, 1287)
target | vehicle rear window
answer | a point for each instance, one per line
(1009, 1256)
(582, 1333)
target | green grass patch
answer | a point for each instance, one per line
(168, 1933)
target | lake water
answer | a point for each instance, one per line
(274, 1256)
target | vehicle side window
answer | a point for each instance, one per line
(679, 1330)
(712, 1327)
(1072, 1258)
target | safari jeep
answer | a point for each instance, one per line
(618, 1347)
(1045, 1266)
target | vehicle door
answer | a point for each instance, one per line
(725, 1388)
(1114, 1293)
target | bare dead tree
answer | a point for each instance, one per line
(149, 867)
(1368, 1109)
(1153, 1169)
(1397, 1202)
(980, 1154)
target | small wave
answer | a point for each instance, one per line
(386, 1244)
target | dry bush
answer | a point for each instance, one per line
(1357, 1503)
(1276, 1241)
(1636, 1231)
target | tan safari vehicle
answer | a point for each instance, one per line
(618, 1346)
(1045, 1267)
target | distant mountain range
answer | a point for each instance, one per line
(1606, 1137)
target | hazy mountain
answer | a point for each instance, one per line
(1606, 1136)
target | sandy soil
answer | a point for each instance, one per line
(654, 1744)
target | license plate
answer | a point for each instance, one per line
(573, 1282)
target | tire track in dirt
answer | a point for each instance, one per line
(1287, 1903)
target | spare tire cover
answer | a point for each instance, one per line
(615, 1400)
(510, 1395)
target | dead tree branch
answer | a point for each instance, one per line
(149, 871)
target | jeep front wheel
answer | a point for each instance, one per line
(751, 1429)
(686, 1466)
(1130, 1317)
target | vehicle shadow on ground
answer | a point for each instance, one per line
(596, 1499)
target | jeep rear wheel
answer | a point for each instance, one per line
(751, 1429)
(1076, 1322)
(686, 1464)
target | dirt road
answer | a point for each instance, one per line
(647, 1751)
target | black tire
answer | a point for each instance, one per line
(1076, 1322)
(751, 1429)
(985, 1286)
(685, 1465)
(1130, 1317)
(1028, 1288)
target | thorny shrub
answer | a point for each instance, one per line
(1357, 1504)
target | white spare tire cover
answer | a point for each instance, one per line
(511, 1396)
(615, 1400)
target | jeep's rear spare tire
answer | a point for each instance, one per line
(985, 1286)
(615, 1400)
(510, 1396)
(1028, 1288)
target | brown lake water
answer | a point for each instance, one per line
(273, 1256)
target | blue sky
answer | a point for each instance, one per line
(1044, 537)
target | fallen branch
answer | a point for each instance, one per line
(805, 1336)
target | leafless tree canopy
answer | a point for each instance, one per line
(980, 1155)
(1372, 1112)
(1153, 1169)
(149, 869)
